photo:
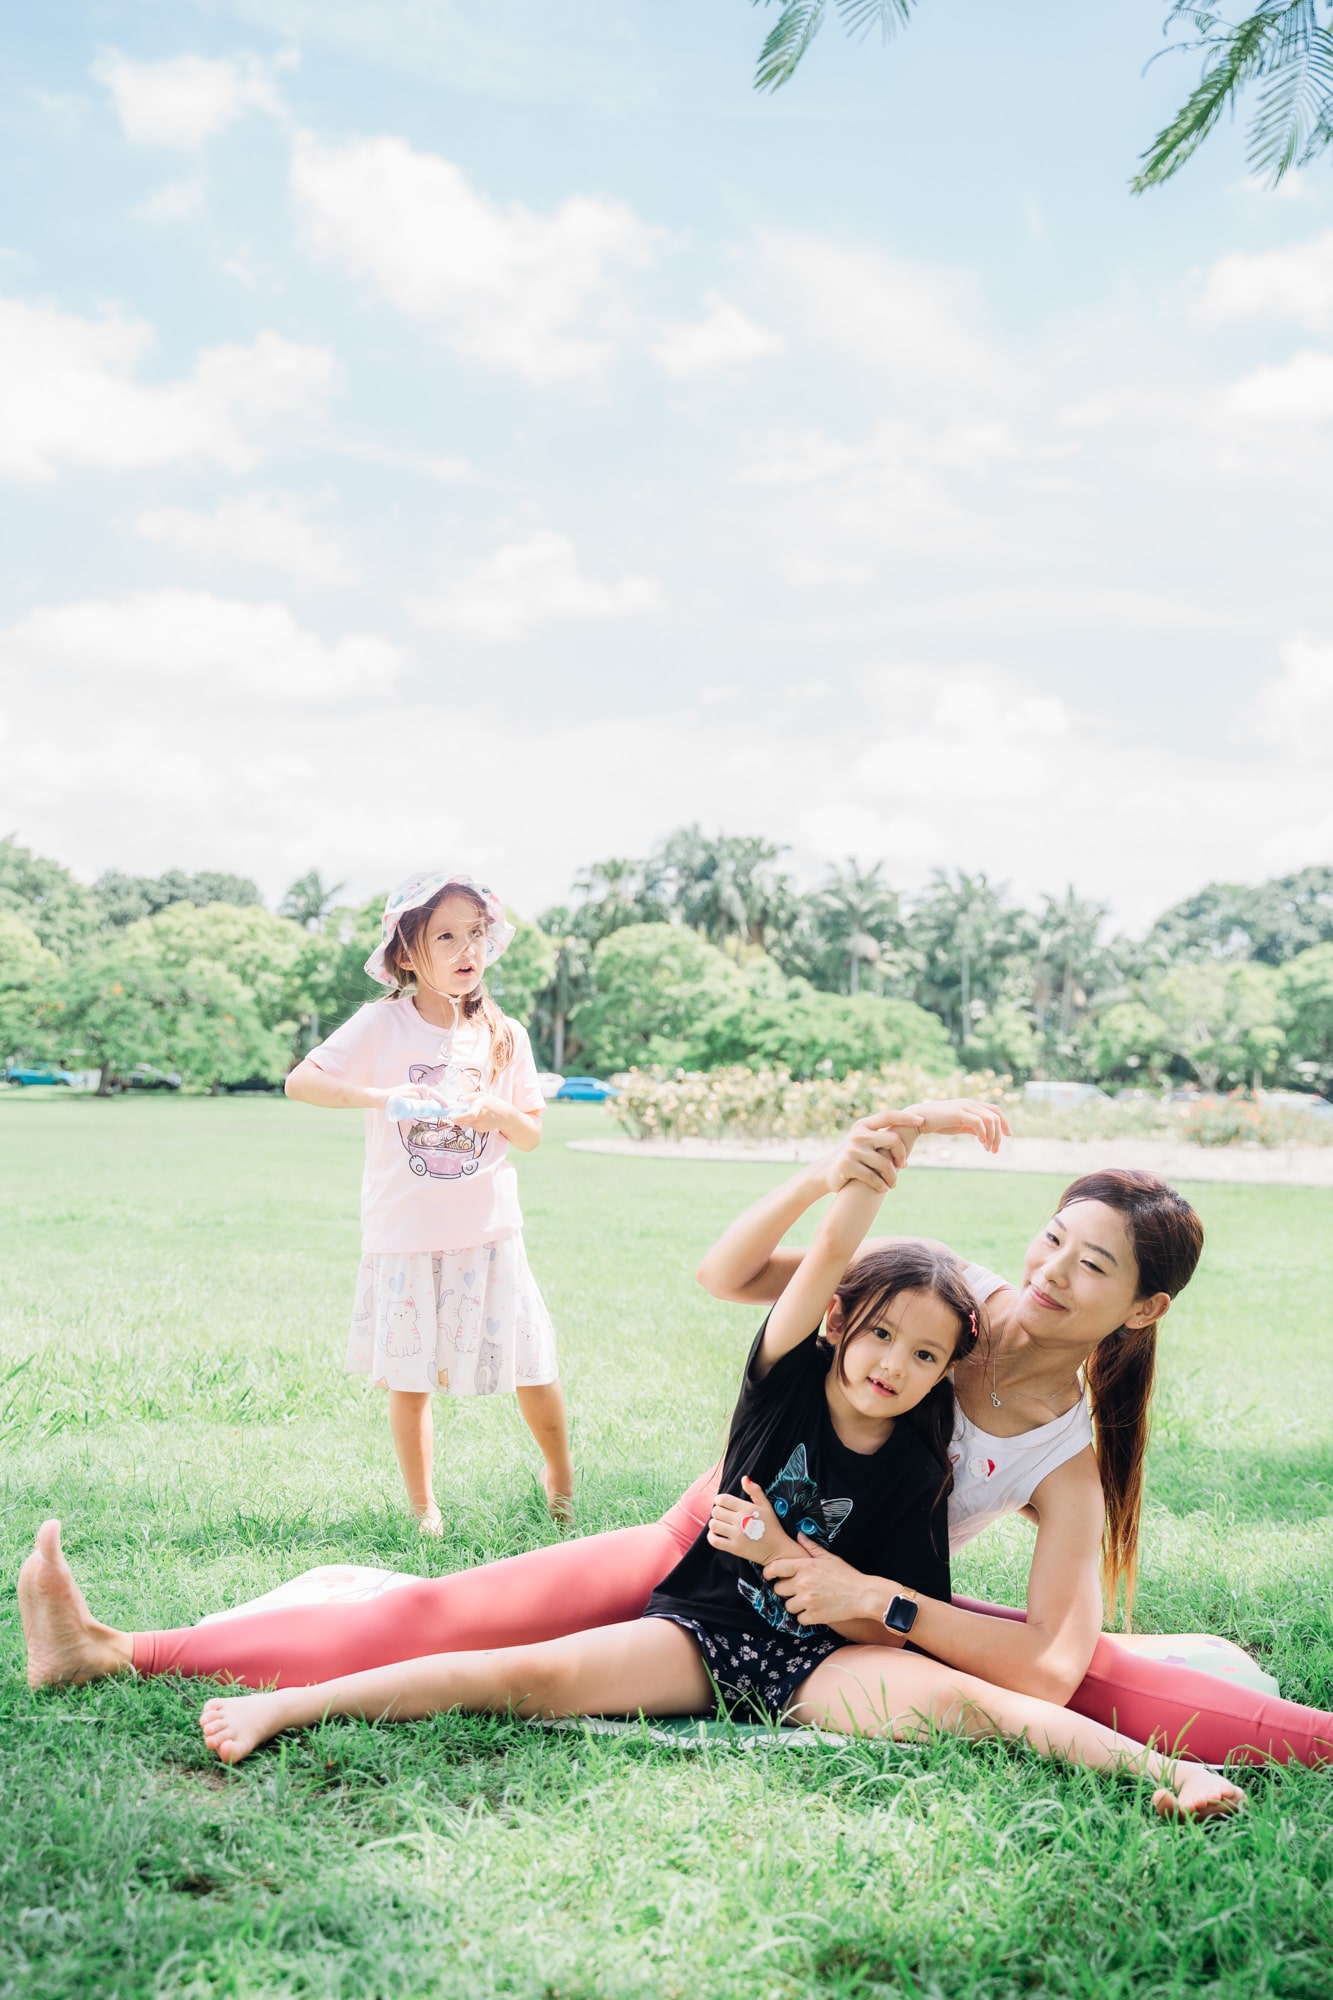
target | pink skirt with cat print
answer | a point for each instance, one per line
(451, 1323)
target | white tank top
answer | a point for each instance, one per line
(998, 1475)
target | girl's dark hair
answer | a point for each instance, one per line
(876, 1277)
(1167, 1238)
(478, 1003)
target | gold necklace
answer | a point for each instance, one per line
(998, 1401)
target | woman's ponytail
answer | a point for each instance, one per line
(1167, 1237)
(1120, 1373)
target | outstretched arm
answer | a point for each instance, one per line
(749, 1263)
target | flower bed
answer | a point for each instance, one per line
(741, 1103)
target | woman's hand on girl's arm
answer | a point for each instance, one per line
(819, 1588)
(728, 1521)
(1045, 1653)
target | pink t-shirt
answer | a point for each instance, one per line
(431, 1187)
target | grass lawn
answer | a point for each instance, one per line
(177, 1285)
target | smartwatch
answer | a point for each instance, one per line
(901, 1615)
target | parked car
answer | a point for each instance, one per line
(251, 1086)
(585, 1090)
(144, 1077)
(25, 1073)
(1057, 1091)
(1299, 1100)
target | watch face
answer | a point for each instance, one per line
(901, 1615)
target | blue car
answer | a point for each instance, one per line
(585, 1090)
(39, 1073)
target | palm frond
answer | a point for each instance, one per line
(1280, 44)
(800, 21)
(1294, 109)
(787, 41)
(858, 17)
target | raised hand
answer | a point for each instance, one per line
(875, 1150)
(986, 1122)
(730, 1518)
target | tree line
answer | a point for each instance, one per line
(702, 953)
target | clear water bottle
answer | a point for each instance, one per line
(404, 1109)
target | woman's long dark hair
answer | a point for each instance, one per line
(1167, 1237)
(873, 1279)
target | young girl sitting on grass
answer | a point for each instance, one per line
(837, 1435)
(445, 1301)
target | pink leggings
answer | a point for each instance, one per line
(606, 1579)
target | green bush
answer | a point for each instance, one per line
(833, 1032)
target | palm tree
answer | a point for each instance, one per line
(1281, 48)
(859, 913)
(968, 936)
(1065, 958)
(725, 887)
(618, 892)
(310, 899)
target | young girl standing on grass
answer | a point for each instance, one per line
(842, 1430)
(445, 1301)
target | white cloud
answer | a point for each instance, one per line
(505, 285)
(1294, 710)
(184, 101)
(910, 321)
(726, 339)
(265, 530)
(1295, 283)
(950, 767)
(527, 583)
(98, 655)
(1295, 391)
(175, 201)
(69, 395)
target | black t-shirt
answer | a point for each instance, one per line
(881, 1511)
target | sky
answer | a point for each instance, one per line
(494, 437)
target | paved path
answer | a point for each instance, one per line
(1294, 1166)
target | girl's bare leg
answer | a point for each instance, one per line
(413, 1429)
(878, 1691)
(647, 1667)
(542, 1406)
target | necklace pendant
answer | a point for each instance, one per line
(996, 1401)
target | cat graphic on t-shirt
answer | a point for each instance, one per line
(802, 1510)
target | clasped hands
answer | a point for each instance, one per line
(817, 1587)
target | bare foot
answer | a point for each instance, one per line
(234, 1725)
(1198, 1793)
(431, 1522)
(66, 1645)
(559, 1501)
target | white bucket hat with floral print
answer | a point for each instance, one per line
(419, 889)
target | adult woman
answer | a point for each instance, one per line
(1098, 1281)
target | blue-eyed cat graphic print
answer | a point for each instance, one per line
(802, 1510)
